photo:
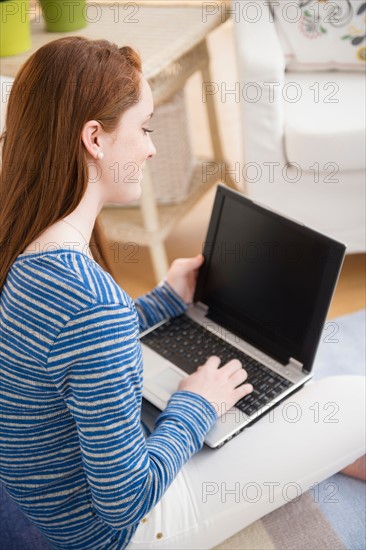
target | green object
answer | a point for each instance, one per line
(15, 34)
(64, 15)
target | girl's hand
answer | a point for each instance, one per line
(222, 387)
(182, 276)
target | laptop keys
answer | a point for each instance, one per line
(188, 345)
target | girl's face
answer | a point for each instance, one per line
(126, 151)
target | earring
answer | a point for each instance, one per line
(100, 155)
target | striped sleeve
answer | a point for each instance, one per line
(94, 363)
(159, 304)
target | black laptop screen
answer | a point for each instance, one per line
(267, 278)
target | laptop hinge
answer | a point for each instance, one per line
(201, 306)
(294, 363)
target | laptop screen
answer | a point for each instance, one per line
(267, 278)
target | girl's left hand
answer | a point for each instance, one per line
(182, 276)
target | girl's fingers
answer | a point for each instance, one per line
(239, 377)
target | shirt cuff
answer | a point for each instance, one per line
(193, 410)
(168, 291)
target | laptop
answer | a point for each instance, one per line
(262, 296)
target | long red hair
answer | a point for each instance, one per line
(44, 172)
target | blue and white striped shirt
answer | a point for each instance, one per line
(73, 454)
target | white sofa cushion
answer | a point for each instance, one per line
(321, 35)
(327, 124)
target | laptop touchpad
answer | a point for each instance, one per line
(167, 380)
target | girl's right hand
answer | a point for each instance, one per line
(218, 385)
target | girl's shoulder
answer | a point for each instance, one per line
(71, 276)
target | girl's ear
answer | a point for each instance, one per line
(91, 137)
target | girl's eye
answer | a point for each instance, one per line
(147, 131)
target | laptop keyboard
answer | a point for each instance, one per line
(188, 345)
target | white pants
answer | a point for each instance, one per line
(312, 435)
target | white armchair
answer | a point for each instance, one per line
(302, 83)
(5, 87)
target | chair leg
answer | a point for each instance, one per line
(212, 117)
(216, 141)
(159, 260)
(150, 217)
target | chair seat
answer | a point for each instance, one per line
(325, 120)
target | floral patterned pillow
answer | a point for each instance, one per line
(322, 34)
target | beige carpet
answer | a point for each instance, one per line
(296, 526)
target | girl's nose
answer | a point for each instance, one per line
(152, 150)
